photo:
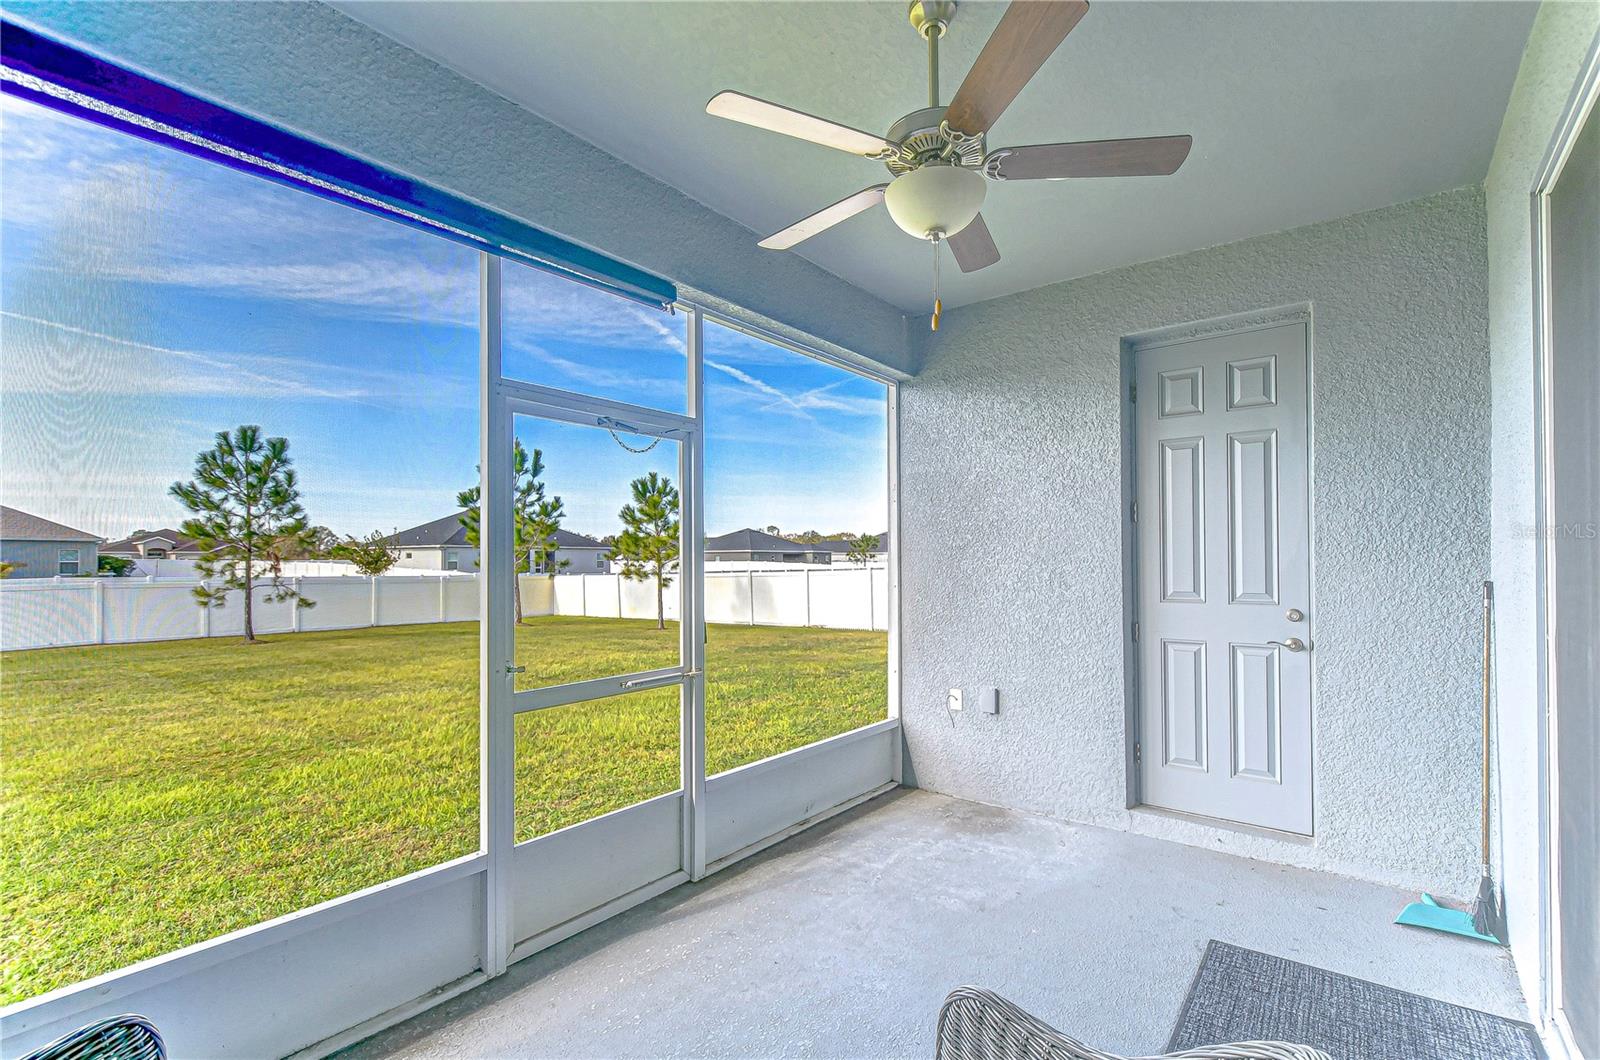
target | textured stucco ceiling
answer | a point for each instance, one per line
(1300, 112)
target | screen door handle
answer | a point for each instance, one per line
(662, 679)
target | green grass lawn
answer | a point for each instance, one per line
(156, 795)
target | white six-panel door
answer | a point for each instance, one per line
(1223, 532)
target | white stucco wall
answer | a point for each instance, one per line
(1562, 35)
(420, 558)
(1012, 432)
(310, 68)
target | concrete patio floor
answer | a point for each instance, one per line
(842, 942)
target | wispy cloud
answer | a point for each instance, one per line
(827, 399)
(777, 397)
(127, 366)
(97, 362)
(411, 290)
(638, 385)
(436, 287)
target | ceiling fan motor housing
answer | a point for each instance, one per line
(923, 139)
(936, 200)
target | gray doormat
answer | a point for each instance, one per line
(1241, 995)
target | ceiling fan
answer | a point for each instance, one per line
(938, 155)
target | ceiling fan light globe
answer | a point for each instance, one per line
(935, 199)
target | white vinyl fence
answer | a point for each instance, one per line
(184, 569)
(49, 612)
(838, 597)
(42, 613)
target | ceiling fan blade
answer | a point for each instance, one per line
(825, 218)
(1148, 156)
(974, 247)
(736, 106)
(1028, 32)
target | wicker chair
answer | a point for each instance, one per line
(976, 1024)
(125, 1037)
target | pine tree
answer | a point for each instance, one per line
(648, 544)
(861, 549)
(534, 518)
(247, 519)
(371, 555)
(322, 543)
(541, 521)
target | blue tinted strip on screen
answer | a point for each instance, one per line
(57, 75)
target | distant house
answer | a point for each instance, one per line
(442, 545)
(153, 544)
(39, 548)
(756, 546)
(439, 545)
(840, 547)
(580, 554)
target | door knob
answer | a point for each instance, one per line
(1293, 644)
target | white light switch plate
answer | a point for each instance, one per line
(989, 700)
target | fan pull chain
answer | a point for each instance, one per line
(938, 306)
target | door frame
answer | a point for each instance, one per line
(502, 401)
(1130, 347)
(1580, 104)
(699, 851)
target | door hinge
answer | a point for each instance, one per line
(1138, 752)
(1136, 632)
(1133, 511)
(1133, 392)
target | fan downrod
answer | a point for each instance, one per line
(931, 19)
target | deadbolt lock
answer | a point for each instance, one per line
(1295, 615)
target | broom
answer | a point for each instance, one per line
(1485, 923)
(1487, 916)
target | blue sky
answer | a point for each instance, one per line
(149, 300)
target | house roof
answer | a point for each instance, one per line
(132, 542)
(436, 534)
(567, 539)
(449, 533)
(749, 540)
(17, 525)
